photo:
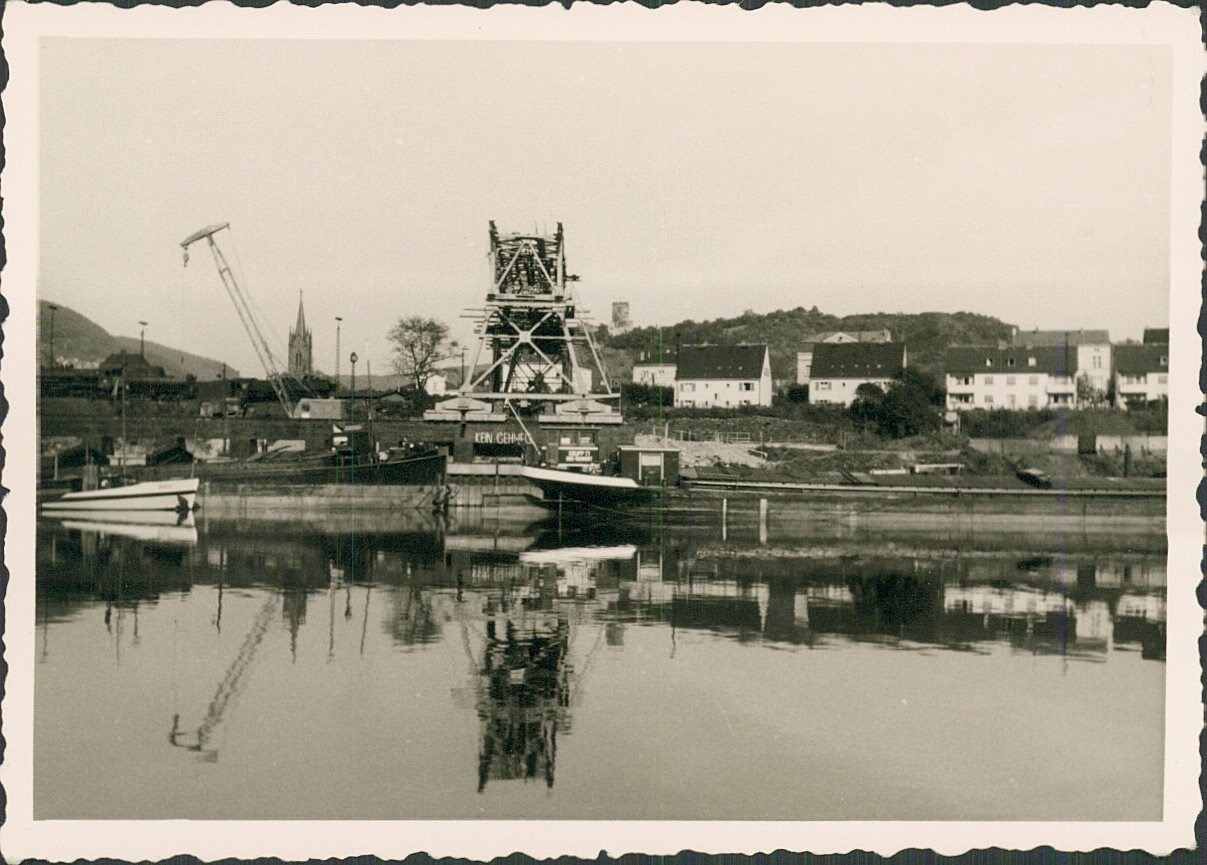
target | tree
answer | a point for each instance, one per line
(868, 405)
(418, 344)
(1089, 394)
(910, 406)
(798, 393)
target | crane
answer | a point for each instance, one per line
(228, 689)
(239, 299)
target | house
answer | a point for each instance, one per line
(436, 385)
(723, 376)
(1092, 348)
(130, 367)
(656, 374)
(1011, 377)
(1141, 374)
(804, 357)
(839, 368)
(1156, 336)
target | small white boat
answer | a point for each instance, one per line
(559, 485)
(171, 495)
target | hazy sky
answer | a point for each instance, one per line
(694, 180)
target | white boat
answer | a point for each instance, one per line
(559, 485)
(172, 495)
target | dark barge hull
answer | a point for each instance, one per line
(423, 470)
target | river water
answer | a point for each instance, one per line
(319, 670)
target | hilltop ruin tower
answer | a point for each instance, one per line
(301, 356)
(535, 356)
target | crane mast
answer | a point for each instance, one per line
(239, 299)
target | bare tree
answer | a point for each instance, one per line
(418, 344)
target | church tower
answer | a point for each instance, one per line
(300, 358)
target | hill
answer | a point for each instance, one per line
(927, 334)
(79, 341)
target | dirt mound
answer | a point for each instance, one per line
(707, 453)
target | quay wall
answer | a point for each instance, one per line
(152, 429)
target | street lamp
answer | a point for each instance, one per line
(352, 401)
(337, 324)
(142, 338)
(52, 309)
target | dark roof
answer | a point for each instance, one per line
(1141, 359)
(721, 361)
(1155, 335)
(1039, 338)
(1053, 360)
(857, 359)
(130, 365)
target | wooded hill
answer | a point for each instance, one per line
(79, 340)
(927, 335)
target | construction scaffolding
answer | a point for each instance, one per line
(535, 355)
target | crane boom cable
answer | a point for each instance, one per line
(244, 310)
(262, 320)
(249, 323)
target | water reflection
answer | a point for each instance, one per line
(525, 612)
(1072, 605)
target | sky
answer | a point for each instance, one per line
(694, 180)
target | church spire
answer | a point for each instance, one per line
(300, 327)
(301, 358)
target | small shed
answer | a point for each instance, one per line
(653, 466)
(320, 408)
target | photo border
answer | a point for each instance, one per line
(25, 25)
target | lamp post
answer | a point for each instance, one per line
(337, 324)
(352, 397)
(142, 333)
(52, 309)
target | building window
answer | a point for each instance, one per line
(1162, 379)
(1032, 401)
(747, 385)
(988, 399)
(1030, 361)
(988, 379)
(988, 361)
(1010, 361)
(1097, 361)
(1164, 360)
(688, 386)
(1033, 380)
(1009, 380)
(1010, 400)
(821, 385)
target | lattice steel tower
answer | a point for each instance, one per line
(535, 353)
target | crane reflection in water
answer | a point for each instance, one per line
(527, 605)
(523, 697)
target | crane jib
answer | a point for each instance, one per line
(243, 308)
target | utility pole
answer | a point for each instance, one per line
(142, 339)
(52, 309)
(369, 388)
(337, 324)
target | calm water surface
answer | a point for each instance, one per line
(281, 670)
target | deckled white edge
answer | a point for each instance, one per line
(132, 840)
